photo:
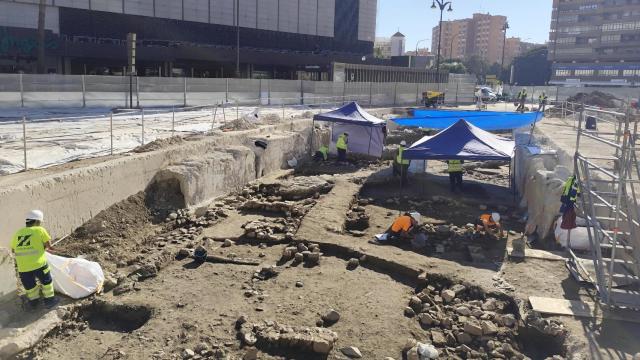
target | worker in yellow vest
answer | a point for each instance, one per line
(341, 145)
(322, 154)
(401, 165)
(454, 168)
(29, 245)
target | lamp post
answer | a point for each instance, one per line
(442, 5)
(504, 45)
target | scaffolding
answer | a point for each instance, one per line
(609, 177)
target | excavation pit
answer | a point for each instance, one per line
(113, 317)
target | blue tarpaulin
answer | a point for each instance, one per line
(461, 141)
(486, 120)
(351, 113)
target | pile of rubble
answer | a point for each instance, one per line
(308, 253)
(271, 230)
(274, 337)
(595, 98)
(461, 325)
(294, 189)
(357, 219)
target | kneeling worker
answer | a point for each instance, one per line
(490, 224)
(29, 245)
(322, 154)
(404, 227)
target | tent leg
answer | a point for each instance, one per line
(370, 136)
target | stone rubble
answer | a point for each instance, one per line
(269, 335)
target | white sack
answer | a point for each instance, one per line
(76, 278)
(579, 236)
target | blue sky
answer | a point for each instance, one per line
(528, 19)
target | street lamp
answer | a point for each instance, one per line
(442, 5)
(504, 45)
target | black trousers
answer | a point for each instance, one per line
(455, 180)
(342, 155)
(401, 170)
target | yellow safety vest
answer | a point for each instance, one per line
(454, 166)
(28, 245)
(571, 188)
(342, 142)
(324, 151)
(399, 159)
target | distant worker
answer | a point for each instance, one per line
(522, 99)
(29, 245)
(341, 145)
(401, 165)
(570, 193)
(404, 227)
(490, 224)
(454, 168)
(322, 154)
(542, 102)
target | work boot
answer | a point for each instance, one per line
(33, 304)
(51, 302)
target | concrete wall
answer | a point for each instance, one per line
(7, 280)
(70, 198)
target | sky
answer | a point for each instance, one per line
(528, 19)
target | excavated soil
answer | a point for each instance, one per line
(164, 306)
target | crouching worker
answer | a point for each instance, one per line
(29, 245)
(403, 228)
(322, 154)
(490, 224)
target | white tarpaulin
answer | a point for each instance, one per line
(366, 140)
(76, 278)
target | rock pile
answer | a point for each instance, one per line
(357, 218)
(309, 253)
(269, 335)
(294, 189)
(460, 324)
(271, 230)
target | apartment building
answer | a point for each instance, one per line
(595, 42)
(481, 35)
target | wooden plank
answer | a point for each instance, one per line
(552, 306)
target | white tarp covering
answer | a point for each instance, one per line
(76, 278)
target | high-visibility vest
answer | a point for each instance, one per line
(454, 166)
(571, 189)
(342, 142)
(29, 246)
(324, 151)
(399, 159)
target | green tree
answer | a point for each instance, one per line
(532, 68)
(454, 67)
(475, 65)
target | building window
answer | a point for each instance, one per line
(608, 72)
(563, 72)
(584, 72)
(610, 38)
(631, 73)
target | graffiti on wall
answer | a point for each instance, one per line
(21, 42)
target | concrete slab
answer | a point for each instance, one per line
(17, 338)
(552, 306)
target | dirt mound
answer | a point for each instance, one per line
(239, 124)
(159, 144)
(112, 236)
(595, 98)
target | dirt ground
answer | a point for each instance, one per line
(194, 307)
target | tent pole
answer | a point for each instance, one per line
(370, 136)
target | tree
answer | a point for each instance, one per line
(454, 67)
(475, 65)
(532, 68)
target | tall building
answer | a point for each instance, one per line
(515, 47)
(595, 42)
(385, 47)
(278, 38)
(481, 35)
(397, 44)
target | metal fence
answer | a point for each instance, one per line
(27, 90)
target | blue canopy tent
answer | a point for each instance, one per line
(485, 120)
(462, 141)
(366, 134)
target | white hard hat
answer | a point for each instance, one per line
(403, 143)
(495, 217)
(35, 215)
(416, 216)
